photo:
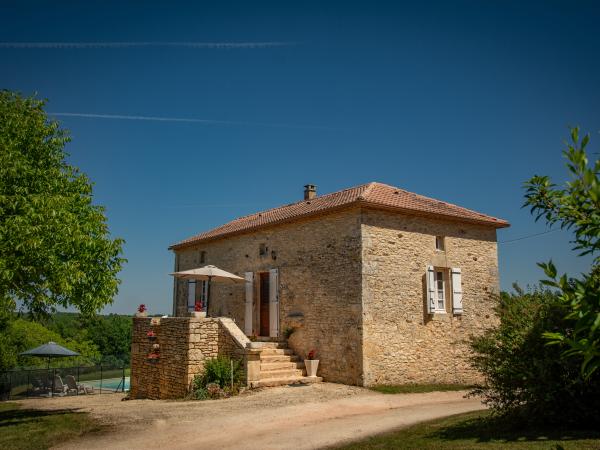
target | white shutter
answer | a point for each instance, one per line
(431, 292)
(273, 303)
(249, 303)
(457, 306)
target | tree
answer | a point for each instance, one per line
(525, 378)
(55, 246)
(576, 207)
(21, 335)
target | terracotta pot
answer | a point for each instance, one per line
(311, 367)
(141, 314)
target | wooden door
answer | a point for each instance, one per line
(264, 304)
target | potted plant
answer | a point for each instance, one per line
(198, 313)
(151, 335)
(311, 364)
(142, 311)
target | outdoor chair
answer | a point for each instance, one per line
(59, 387)
(72, 386)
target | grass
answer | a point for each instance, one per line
(418, 388)
(36, 429)
(477, 430)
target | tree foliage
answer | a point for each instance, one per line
(575, 207)
(55, 247)
(22, 334)
(525, 378)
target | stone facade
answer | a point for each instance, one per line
(184, 344)
(319, 285)
(352, 285)
(401, 342)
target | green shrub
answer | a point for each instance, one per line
(524, 376)
(215, 380)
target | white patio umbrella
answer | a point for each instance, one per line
(208, 273)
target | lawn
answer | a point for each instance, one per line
(33, 429)
(418, 388)
(476, 430)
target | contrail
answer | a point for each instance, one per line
(186, 120)
(218, 45)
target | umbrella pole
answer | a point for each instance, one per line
(208, 296)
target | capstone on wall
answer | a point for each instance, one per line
(319, 285)
(401, 342)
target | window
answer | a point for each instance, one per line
(440, 287)
(197, 292)
(191, 303)
(202, 257)
(439, 243)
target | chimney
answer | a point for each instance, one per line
(310, 191)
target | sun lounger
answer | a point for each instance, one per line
(72, 386)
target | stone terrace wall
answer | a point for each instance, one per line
(402, 343)
(184, 344)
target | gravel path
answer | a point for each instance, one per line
(306, 417)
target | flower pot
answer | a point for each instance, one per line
(151, 338)
(141, 314)
(199, 314)
(311, 367)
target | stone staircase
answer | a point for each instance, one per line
(279, 366)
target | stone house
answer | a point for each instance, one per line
(384, 284)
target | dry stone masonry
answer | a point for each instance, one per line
(184, 343)
(352, 286)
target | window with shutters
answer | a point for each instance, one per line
(197, 292)
(440, 287)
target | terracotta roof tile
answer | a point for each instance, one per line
(374, 194)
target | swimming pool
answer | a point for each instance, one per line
(110, 384)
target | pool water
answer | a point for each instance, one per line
(108, 383)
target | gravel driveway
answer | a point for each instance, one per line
(306, 417)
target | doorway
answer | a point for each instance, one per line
(264, 304)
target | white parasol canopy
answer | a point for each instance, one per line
(208, 273)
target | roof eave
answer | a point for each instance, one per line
(499, 223)
(360, 202)
(192, 243)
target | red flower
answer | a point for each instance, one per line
(198, 306)
(142, 308)
(312, 354)
(150, 333)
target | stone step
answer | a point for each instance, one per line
(271, 344)
(279, 365)
(278, 358)
(281, 373)
(277, 351)
(271, 382)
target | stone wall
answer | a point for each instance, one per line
(319, 285)
(402, 343)
(184, 344)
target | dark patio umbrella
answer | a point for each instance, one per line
(49, 350)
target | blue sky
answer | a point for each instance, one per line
(461, 101)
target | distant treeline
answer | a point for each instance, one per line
(102, 339)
